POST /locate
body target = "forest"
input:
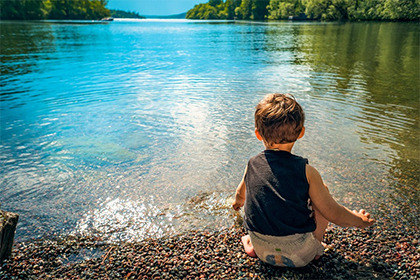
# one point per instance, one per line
(396, 10)
(53, 9)
(392, 10)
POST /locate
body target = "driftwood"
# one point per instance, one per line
(8, 223)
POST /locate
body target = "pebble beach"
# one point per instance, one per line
(373, 253)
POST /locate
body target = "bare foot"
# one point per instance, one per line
(249, 249)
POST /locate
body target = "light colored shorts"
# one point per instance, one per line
(295, 250)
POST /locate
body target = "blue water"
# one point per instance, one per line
(135, 129)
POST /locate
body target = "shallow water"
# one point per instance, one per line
(135, 129)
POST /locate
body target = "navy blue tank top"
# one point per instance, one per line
(277, 194)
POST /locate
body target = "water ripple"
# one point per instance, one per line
(137, 129)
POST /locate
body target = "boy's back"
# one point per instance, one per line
(276, 184)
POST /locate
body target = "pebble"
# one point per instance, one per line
(351, 254)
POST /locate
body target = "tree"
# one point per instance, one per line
(24, 9)
(244, 10)
(203, 11)
(215, 3)
(401, 10)
(325, 9)
(53, 9)
(363, 10)
(259, 9)
(210, 13)
(313, 9)
(282, 9)
(124, 14)
(97, 9)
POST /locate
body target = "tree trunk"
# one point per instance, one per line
(8, 223)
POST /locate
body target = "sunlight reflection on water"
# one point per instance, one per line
(139, 129)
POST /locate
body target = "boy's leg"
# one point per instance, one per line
(249, 249)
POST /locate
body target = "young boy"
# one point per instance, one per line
(287, 205)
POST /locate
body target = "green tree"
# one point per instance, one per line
(364, 10)
(282, 9)
(215, 3)
(196, 12)
(24, 9)
(97, 9)
(230, 6)
(244, 9)
(124, 14)
(210, 13)
(401, 10)
(313, 9)
(326, 9)
(203, 11)
(259, 9)
(53, 9)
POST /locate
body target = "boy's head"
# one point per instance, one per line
(279, 119)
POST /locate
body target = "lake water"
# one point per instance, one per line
(136, 129)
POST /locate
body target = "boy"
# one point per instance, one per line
(287, 205)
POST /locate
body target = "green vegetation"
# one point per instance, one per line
(241, 9)
(53, 9)
(404, 10)
(124, 14)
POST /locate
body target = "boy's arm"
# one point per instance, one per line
(240, 194)
(329, 208)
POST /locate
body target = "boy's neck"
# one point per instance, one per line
(280, 147)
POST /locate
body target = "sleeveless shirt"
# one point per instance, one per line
(277, 194)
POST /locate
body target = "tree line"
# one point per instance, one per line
(123, 14)
(53, 9)
(403, 10)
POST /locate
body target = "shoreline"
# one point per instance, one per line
(376, 252)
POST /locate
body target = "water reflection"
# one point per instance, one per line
(120, 220)
(144, 128)
(374, 68)
(22, 44)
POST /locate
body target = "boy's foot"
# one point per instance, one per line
(249, 249)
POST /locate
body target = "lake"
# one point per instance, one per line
(136, 129)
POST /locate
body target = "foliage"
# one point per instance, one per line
(282, 9)
(259, 9)
(124, 14)
(325, 9)
(362, 9)
(313, 9)
(230, 9)
(53, 9)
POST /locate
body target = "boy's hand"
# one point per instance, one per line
(238, 204)
(365, 216)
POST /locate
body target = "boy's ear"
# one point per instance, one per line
(259, 137)
(302, 133)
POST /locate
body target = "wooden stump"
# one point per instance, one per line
(8, 223)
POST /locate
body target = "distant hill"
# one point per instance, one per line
(178, 16)
(124, 14)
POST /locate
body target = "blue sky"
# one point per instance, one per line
(154, 7)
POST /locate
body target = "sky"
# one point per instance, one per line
(154, 7)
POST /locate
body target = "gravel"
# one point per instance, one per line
(377, 252)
